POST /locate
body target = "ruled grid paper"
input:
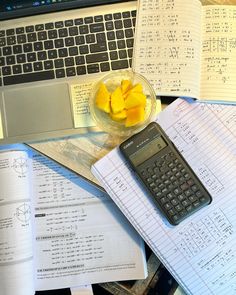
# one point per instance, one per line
(200, 251)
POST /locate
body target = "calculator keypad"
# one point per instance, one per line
(174, 187)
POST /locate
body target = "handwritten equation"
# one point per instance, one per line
(195, 237)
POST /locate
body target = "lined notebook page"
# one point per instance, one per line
(167, 47)
(218, 74)
(200, 251)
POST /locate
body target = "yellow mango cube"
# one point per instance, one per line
(135, 99)
(119, 116)
(125, 86)
(103, 98)
(137, 88)
(134, 116)
(117, 101)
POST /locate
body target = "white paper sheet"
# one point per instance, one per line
(16, 252)
(200, 251)
(81, 237)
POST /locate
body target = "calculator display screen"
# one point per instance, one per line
(148, 150)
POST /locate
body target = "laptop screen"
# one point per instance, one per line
(18, 8)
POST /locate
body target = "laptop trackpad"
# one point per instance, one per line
(38, 109)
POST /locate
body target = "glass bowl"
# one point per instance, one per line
(118, 128)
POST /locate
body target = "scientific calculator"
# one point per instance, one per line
(171, 182)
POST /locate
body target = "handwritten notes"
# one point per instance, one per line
(200, 251)
(187, 52)
(80, 94)
(218, 78)
(167, 50)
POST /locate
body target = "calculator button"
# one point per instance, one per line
(171, 212)
(196, 204)
(175, 218)
(188, 193)
(192, 198)
(158, 194)
(189, 208)
(164, 200)
(168, 206)
(198, 194)
(179, 207)
(185, 203)
(177, 191)
(170, 195)
(174, 202)
(184, 186)
(181, 197)
(194, 188)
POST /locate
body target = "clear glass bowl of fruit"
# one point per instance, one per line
(122, 103)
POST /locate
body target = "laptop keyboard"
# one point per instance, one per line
(67, 48)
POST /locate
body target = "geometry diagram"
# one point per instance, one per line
(20, 166)
(23, 213)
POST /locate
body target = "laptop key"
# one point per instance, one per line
(101, 37)
(21, 58)
(20, 30)
(38, 66)
(6, 71)
(25, 78)
(92, 58)
(31, 37)
(39, 27)
(105, 66)
(11, 40)
(79, 21)
(29, 29)
(79, 40)
(108, 16)
(73, 31)
(17, 69)
(60, 73)
(90, 38)
(73, 51)
(59, 24)
(62, 52)
(49, 26)
(88, 20)
(63, 32)
(98, 18)
(27, 68)
(21, 39)
(28, 47)
(48, 64)
(2, 42)
(81, 70)
(83, 29)
(70, 72)
(59, 63)
(48, 44)
(69, 61)
(2, 61)
(10, 60)
(80, 60)
(93, 69)
(7, 50)
(99, 47)
(97, 27)
(119, 64)
(69, 23)
(83, 49)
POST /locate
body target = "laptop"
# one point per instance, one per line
(48, 46)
